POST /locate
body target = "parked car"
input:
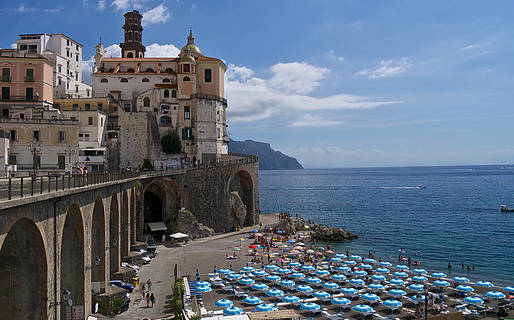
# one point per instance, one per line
(152, 250)
(131, 266)
(118, 283)
(146, 257)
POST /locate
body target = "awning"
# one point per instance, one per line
(179, 235)
(156, 226)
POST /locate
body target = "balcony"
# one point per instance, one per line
(20, 98)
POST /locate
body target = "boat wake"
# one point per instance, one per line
(399, 188)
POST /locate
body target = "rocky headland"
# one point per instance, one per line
(291, 225)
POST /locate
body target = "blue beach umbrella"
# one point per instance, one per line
(397, 292)
(355, 257)
(385, 264)
(370, 260)
(308, 268)
(279, 232)
(402, 267)
(343, 269)
(252, 300)
(232, 311)
(283, 271)
(313, 280)
(264, 307)
(400, 274)
(330, 285)
(391, 303)
(260, 273)
(350, 262)
(419, 279)
(224, 303)
(309, 306)
(234, 276)
(203, 289)
(356, 282)
(375, 287)
(271, 267)
(365, 266)
(338, 277)
(294, 264)
(202, 283)
(416, 287)
(362, 308)
(460, 279)
(260, 286)
(255, 231)
(360, 273)
(474, 300)
(382, 270)
(275, 293)
(416, 297)
(321, 294)
(303, 288)
(247, 281)
(247, 269)
(322, 272)
(464, 288)
(439, 275)
(441, 283)
(290, 299)
(272, 278)
(335, 260)
(286, 283)
(370, 297)
(509, 289)
(225, 271)
(291, 241)
(485, 284)
(341, 301)
(420, 271)
(297, 275)
(378, 277)
(495, 294)
(348, 290)
(397, 282)
(340, 256)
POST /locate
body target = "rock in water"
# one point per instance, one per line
(290, 226)
(187, 223)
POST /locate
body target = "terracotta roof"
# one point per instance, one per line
(139, 59)
(204, 58)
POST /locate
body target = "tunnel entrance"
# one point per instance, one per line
(154, 204)
(23, 273)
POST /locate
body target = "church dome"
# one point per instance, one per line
(190, 48)
(187, 58)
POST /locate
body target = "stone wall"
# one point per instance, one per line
(135, 144)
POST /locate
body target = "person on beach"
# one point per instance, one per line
(143, 290)
(149, 284)
(152, 299)
(147, 299)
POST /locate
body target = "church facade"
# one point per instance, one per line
(183, 95)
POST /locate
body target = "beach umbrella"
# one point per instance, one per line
(340, 256)
(247, 269)
(232, 311)
(247, 281)
(397, 282)
(397, 292)
(356, 282)
(341, 301)
(225, 271)
(264, 307)
(297, 275)
(203, 289)
(378, 277)
(260, 273)
(460, 279)
(391, 303)
(485, 284)
(300, 243)
(272, 278)
(349, 291)
(474, 300)
(420, 271)
(291, 241)
(202, 283)
(350, 262)
(370, 260)
(260, 286)
(416, 287)
(382, 270)
(309, 251)
(271, 267)
(439, 275)
(360, 273)
(509, 289)
(322, 272)
(335, 260)
(313, 280)
(283, 271)
(308, 268)
(385, 264)
(234, 276)
(310, 306)
(303, 288)
(258, 234)
(275, 293)
(224, 303)
(330, 285)
(279, 231)
(355, 257)
(464, 288)
(343, 269)
(400, 274)
(321, 294)
(252, 300)
(441, 283)
(363, 308)
(338, 277)
(495, 294)
(255, 231)
(370, 297)
(365, 266)
(286, 283)
(402, 267)
(294, 264)
(376, 287)
(290, 299)
(419, 279)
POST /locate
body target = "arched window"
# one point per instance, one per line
(146, 102)
(149, 70)
(166, 93)
(165, 80)
(165, 121)
(136, 36)
(131, 70)
(129, 55)
(145, 80)
(187, 79)
(173, 93)
(104, 80)
(124, 80)
(168, 70)
(130, 35)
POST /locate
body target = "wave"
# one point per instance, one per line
(398, 188)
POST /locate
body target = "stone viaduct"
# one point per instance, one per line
(68, 244)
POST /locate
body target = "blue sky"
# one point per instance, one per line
(333, 83)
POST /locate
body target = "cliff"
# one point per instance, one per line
(269, 159)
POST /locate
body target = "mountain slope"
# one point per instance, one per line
(269, 159)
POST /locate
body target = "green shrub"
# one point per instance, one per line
(147, 165)
(171, 143)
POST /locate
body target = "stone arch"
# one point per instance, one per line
(132, 215)
(124, 226)
(23, 273)
(241, 199)
(161, 197)
(98, 247)
(114, 235)
(72, 259)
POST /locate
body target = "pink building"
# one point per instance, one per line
(27, 84)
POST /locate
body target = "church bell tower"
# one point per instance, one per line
(133, 46)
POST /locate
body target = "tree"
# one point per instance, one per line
(171, 143)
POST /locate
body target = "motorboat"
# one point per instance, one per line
(422, 186)
(504, 208)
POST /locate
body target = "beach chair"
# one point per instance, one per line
(240, 294)
(298, 303)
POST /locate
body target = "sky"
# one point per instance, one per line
(343, 83)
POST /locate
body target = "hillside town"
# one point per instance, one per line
(138, 113)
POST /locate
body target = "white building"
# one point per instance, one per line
(66, 55)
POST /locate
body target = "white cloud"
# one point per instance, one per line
(474, 46)
(101, 5)
(161, 50)
(127, 4)
(333, 55)
(310, 120)
(387, 68)
(14, 45)
(23, 8)
(159, 14)
(85, 3)
(252, 98)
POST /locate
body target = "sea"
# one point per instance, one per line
(456, 219)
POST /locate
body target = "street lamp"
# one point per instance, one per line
(35, 148)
